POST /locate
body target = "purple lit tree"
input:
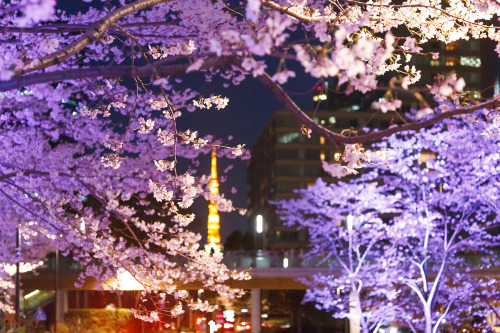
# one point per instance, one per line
(90, 102)
(399, 239)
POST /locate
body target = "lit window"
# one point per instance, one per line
(337, 156)
(470, 61)
(287, 138)
(434, 62)
(451, 61)
(322, 156)
(321, 140)
(475, 94)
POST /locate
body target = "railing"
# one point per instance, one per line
(266, 259)
(252, 259)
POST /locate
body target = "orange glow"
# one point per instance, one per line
(213, 225)
(243, 326)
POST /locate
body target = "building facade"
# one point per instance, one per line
(283, 159)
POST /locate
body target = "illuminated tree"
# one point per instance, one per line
(90, 102)
(400, 238)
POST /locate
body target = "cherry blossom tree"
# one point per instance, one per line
(399, 239)
(90, 102)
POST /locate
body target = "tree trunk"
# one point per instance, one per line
(428, 318)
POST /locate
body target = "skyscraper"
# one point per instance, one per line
(283, 159)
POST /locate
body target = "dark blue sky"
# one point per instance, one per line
(250, 108)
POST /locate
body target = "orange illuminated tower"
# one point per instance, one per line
(213, 236)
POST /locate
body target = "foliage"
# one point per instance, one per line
(98, 320)
(91, 97)
(400, 238)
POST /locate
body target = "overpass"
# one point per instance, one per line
(270, 270)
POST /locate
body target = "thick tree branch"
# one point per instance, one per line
(160, 68)
(66, 27)
(304, 119)
(292, 13)
(95, 33)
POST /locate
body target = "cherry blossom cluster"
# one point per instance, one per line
(403, 240)
(207, 103)
(92, 150)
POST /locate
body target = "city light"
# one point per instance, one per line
(229, 315)
(228, 325)
(243, 326)
(350, 222)
(259, 225)
(127, 282)
(213, 326)
(33, 293)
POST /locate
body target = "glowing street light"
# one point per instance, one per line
(350, 222)
(127, 282)
(259, 225)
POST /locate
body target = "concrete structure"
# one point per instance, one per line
(283, 159)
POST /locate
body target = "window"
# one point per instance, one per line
(286, 154)
(475, 93)
(470, 62)
(475, 77)
(288, 137)
(451, 61)
(434, 62)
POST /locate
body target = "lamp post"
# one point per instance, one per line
(17, 317)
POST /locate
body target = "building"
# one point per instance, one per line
(283, 159)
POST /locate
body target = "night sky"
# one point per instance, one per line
(250, 108)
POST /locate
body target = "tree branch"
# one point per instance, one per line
(159, 67)
(93, 34)
(290, 12)
(304, 119)
(67, 27)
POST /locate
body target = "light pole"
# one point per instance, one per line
(17, 317)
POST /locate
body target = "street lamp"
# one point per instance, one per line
(259, 225)
(350, 222)
(259, 228)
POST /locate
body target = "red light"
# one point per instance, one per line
(243, 326)
(318, 88)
